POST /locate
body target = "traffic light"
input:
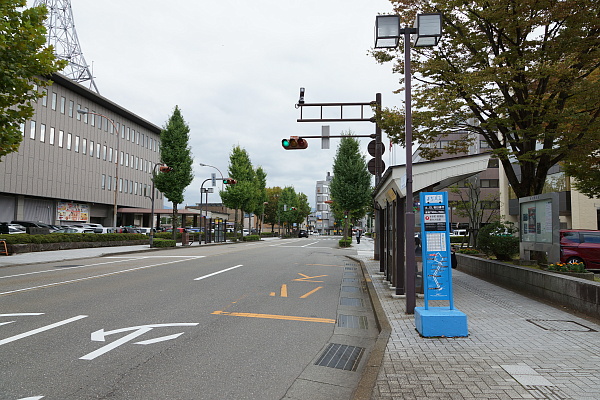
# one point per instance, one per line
(293, 208)
(164, 168)
(294, 143)
(229, 181)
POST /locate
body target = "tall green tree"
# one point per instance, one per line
(288, 201)
(261, 195)
(23, 61)
(351, 184)
(242, 195)
(176, 153)
(271, 209)
(523, 74)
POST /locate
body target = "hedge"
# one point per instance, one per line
(25, 238)
(163, 243)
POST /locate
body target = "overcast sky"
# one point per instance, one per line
(235, 67)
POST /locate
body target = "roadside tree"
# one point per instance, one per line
(523, 75)
(242, 195)
(23, 61)
(176, 153)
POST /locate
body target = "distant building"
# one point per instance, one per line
(323, 216)
(65, 169)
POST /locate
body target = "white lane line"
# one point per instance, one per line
(63, 269)
(217, 273)
(42, 329)
(92, 277)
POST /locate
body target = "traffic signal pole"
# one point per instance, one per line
(376, 147)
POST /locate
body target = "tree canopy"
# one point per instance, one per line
(175, 152)
(524, 75)
(351, 184)
(23, 61)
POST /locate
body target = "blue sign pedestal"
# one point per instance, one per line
(441, 322)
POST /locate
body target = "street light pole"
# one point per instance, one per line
(80, 111)
(428, 32)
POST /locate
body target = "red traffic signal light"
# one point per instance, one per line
(229, 181)
(294, 143)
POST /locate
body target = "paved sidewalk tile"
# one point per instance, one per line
(517, 348)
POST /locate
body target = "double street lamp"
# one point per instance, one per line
(427, 31)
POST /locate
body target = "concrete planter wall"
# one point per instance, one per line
(578, 294)
(34, 247)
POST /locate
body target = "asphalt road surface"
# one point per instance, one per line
(285, 319)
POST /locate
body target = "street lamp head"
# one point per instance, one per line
(80, 111)
(429, 30)
(387, 31)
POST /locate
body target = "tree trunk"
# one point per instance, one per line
(174, 221)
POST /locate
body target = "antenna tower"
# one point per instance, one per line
(62, 35)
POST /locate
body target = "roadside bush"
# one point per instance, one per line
(345, 243)
(25, 238)
(163, 243)
(251, 238)
(497, 239)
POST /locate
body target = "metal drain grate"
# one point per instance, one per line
(350, 268)
(341, 356)
(350, 274)
(349, 301)
(561, 325)
(351, 289)
(352, 321)
(350, 280)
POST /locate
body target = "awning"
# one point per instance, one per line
(431, 175)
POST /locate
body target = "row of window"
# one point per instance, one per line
(81, 145)
(126, 186)
(88, 117)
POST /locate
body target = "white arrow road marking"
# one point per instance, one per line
(33, 398)
(42, 329)
(100, 336)
(217, 273)
(160, 339)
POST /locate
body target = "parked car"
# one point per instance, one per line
(580, 246)
(302, 233)
(74, 230)
(34, 224)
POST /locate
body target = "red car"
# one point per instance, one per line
(579, 245)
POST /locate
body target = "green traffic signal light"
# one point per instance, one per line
(285, 143)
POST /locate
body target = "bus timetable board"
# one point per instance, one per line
(435, 232)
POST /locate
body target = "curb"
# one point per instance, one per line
(369, 376)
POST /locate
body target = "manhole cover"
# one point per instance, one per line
(341, 356)
(560, 325)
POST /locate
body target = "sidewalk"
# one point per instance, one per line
(517, 348)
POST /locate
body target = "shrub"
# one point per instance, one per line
(497, 239)
(567, 267)
(24, 238)
(345, 243)
(468, 250)
(163, 243)
(251, 238)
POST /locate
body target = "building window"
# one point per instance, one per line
(137, 160)
(121, 185)
(110, 151)
(84, 146)
(63, 104)
(91, 148)
(122, 156)
(54, 97)
(103, 182)
(97, 150)
(69, 137)
(45, 98)
(79, 114)
(77, 139)
(22, 127)
(109, 182)
(122, 131)
(71, 108)
(42, 132)
(126, 186)
(493, 163)
(61, 138)
(32, 130)
(131, 161)
(104, 153)
(127, 160)
(483, 144)
(51, 137)
(128, 133)
(489, 183)
(489, 204)
(105, 124)
(93, 119)
(85, 116)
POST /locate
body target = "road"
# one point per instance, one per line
(244, 321)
